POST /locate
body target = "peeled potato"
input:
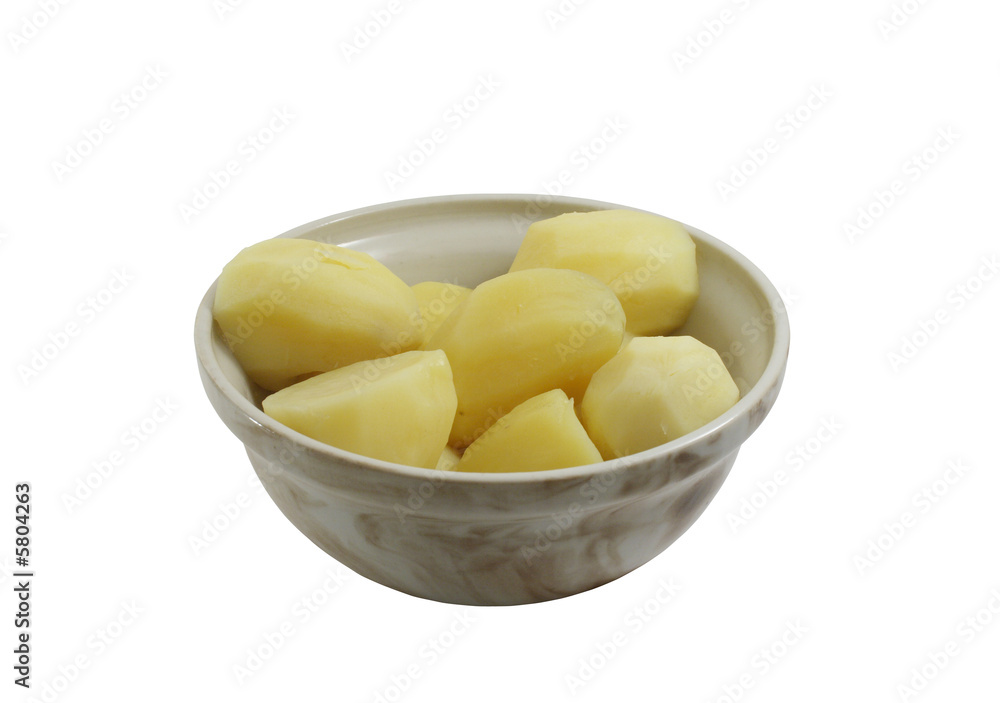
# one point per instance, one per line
(646, 259)
(292, 308)
(398, 408)
(655, 390)
(541, 433)
(436, 301)
(448, 460)
(522, 334)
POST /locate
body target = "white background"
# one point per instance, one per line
(214, 79)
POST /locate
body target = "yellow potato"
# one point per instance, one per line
(647, 260)
(541, 433)
(655, 390)
(448, 460)
(398, 408)
(524, 333)
(292, 308)
(436, 301)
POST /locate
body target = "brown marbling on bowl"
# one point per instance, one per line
(501, 539)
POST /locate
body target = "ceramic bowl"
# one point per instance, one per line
(492, 539)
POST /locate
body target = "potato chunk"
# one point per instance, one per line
(448, 460)
(541, 433)
(399, 408)
(647, 260)
(524, 333)
(655, 390)
(436, 301)
(292, 308)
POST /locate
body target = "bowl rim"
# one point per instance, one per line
(770, 377)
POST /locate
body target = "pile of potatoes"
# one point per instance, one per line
(562, 361)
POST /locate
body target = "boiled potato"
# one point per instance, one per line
(541, 433)
(448, 460)
(398, 408)
(524, 333)
(646, 259)
(436, 301)
(655, 390)
(292, 308)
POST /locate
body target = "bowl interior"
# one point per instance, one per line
(469, 239)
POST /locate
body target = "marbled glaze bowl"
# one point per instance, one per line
(498, 539)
